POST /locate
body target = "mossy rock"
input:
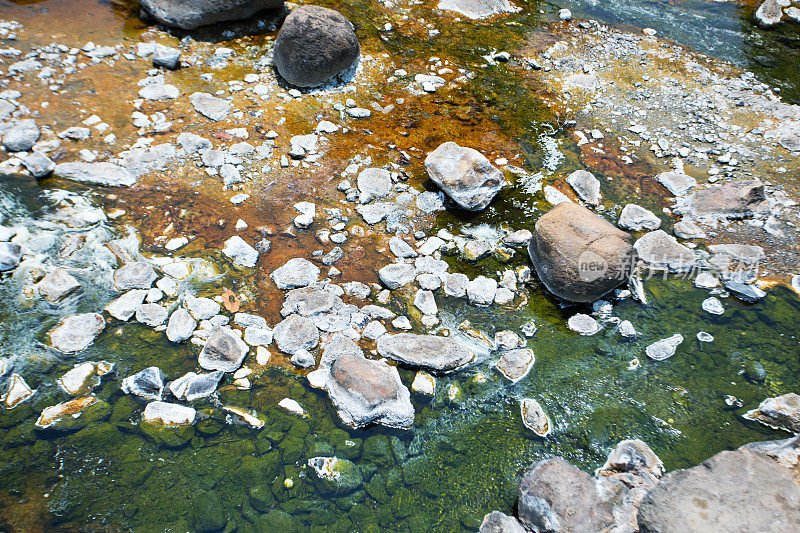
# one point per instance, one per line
(123, 412)
(168, 436)
(319, 448)
(292, 448)
(334, 476)
(96, 411)
(21, 435)
(261, 498)
(403, 503)
(413, 470)
(209, 515)
(275, 521)
(377, 450)
(249, 472)
(376, 487)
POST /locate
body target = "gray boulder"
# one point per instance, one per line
(781, 412)
(191, 14)
(38, 164)
(181, 325)
(57, 285)
(556, 496)
(296, 333)
(124, 307)
(21, 136)
(96, 173)
(465, 175)
(224, 350)
(192, 386)
(167, 57)
(396, 275)
(210, 106)
(135, 275)
(314, 44)
(579, 256)
(662, 251)
(637, 218)
(586, 186)
(677, 183)
(147, 384)
(732, 492)
(735, 200)
(10, 256)
(295, 273)
(497, 522)
(440, 354)
(75, 333)
(152, 315)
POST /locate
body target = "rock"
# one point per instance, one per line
(136, 275)
(782, 412)
(255, 336)
(583, 324)
(456, 285)
(515, 364)
(124, 307)
(57, 285)
(746, 292)
(210, 107)
(159, 91)
(21, 136)
(297, 272)
(241, 253)
(440, 354)
(201, 308)
(38, 164)
(73, 414)
(713, 305)
(18, 392)
(397, 275)
(193, 386)
(769, 14)
(579, 256)
(224, 350)
(152, 315)
(662, 251)
(166, 57)
(664, 348)
(292, 406)
(565, 14)
(190, 14)
(84, 377)
(425, 302)
(401, 248)
(193, 144)
(303, 359)
(10, 256)
(534, 417)
(477, 9)
(465, 175)
(686, 229)
(734, 200)
(677, 183)
(181, 325)
(209, 514)
(482, 290)
(147, 384)
(296, 333)
(314, 45)
(168, 414)
(556, 496)
(586, 186)
(497, 522)
(519, 238)
(96, 173)
(374, 183)
(365, 391)
(75, 333)
(730, 492)
(636, 218)
(334, 476)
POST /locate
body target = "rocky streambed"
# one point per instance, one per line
(393, 267)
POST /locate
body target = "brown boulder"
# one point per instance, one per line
(578, 255)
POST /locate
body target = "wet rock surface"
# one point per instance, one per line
(75, 333)
(190, 14)
(465, 175)
(439, 354)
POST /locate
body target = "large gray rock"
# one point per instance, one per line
(440, 354)
(224, 350)
(769, 14)
(190, 14)
(732, 492)
(96, 173)
(734, 200)
(57, 285)
(465, 175)
(124, 307)
(364, 391)
(181, 325)
(662, 251)
(556, 496)
(147, 384)
(586, 186)
(135, 275)
(192, 386)
(241, 253)
(497, 522)
(297, 272)
(38, 164)
(210, 106)
(296, 333)
(75, 333)
(396, 275)
(315, 43)
(579, 256)
(781, 412)
(10, 256)
(21, 136)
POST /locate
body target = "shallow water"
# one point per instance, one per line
(463, 457)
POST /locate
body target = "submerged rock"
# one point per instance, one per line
(73, 414)
(75, 333)
(732, 491)
(314, 44)
(147, 384)
(191, 14)
(579, 256)
(84, 377)
(224, 350)
(465, 175)
(440, 354)
(334, 476)
(781, 412)
(534, 417)
(96, 173)
(10, 256)
(583, 324)
(665, 348)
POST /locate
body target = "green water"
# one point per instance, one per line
(461, 459)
